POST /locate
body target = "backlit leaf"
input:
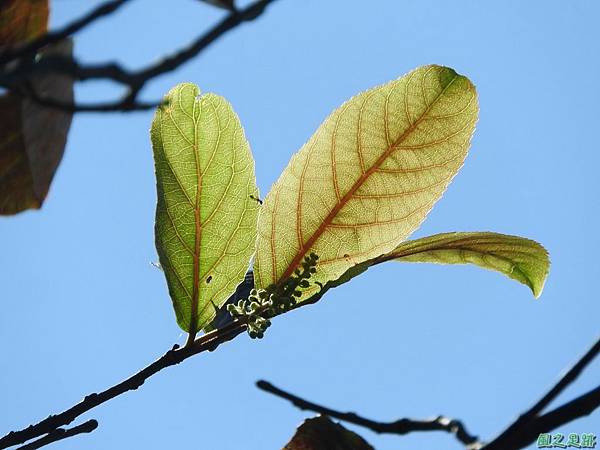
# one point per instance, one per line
(518, 258)
(321, 433)
(206, 212)
(521, 259)
(368, 176)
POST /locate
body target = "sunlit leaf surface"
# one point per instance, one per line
(207, 209)
(521, 259)
(518, 258)
(368, 176)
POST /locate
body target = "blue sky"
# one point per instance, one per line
(84, 308)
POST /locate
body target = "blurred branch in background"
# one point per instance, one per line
(38, 72)
(522, 433)
(29, 49)
(19, 64)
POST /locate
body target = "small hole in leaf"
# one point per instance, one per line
(346, 255)
(209, 279)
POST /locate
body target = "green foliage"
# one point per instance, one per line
(518, 258)
(352, 194)
(206, 212)
(368, 176)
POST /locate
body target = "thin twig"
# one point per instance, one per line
(133, 80)
(401, 426)
(60, 434)
(565, 381)
(510, 438)
(581, 406)
(207, 342)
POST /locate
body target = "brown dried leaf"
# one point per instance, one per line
(321, 433)
(22, 20)
(32, 139)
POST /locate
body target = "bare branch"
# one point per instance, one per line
(522, 433)
(134, 81)
(565, 381)
(60, 434)
(511, 438)
(579, 407)
(207, 342)
(401, 426)
(583, 405)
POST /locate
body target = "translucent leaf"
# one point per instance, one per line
(521, 259)
(518, 258)
(368, 176)
(206, 212)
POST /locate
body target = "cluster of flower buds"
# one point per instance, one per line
(252, 310)
(263, 304)
(291, 289)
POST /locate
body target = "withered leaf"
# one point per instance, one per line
(321, 433)
(33, 137)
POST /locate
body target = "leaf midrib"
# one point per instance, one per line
(197, 225)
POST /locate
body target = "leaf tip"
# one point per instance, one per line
(545, 263)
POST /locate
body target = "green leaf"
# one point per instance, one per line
(518, 258)
(368, 176)
(207, 209)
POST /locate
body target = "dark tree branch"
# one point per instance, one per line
(401, 426)
(565, 381)
(579, 407)
(60, 434)
(52, 37)
(134, 81)
(583, 405)
(529, 421)
(522, 433)
(207, 342)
